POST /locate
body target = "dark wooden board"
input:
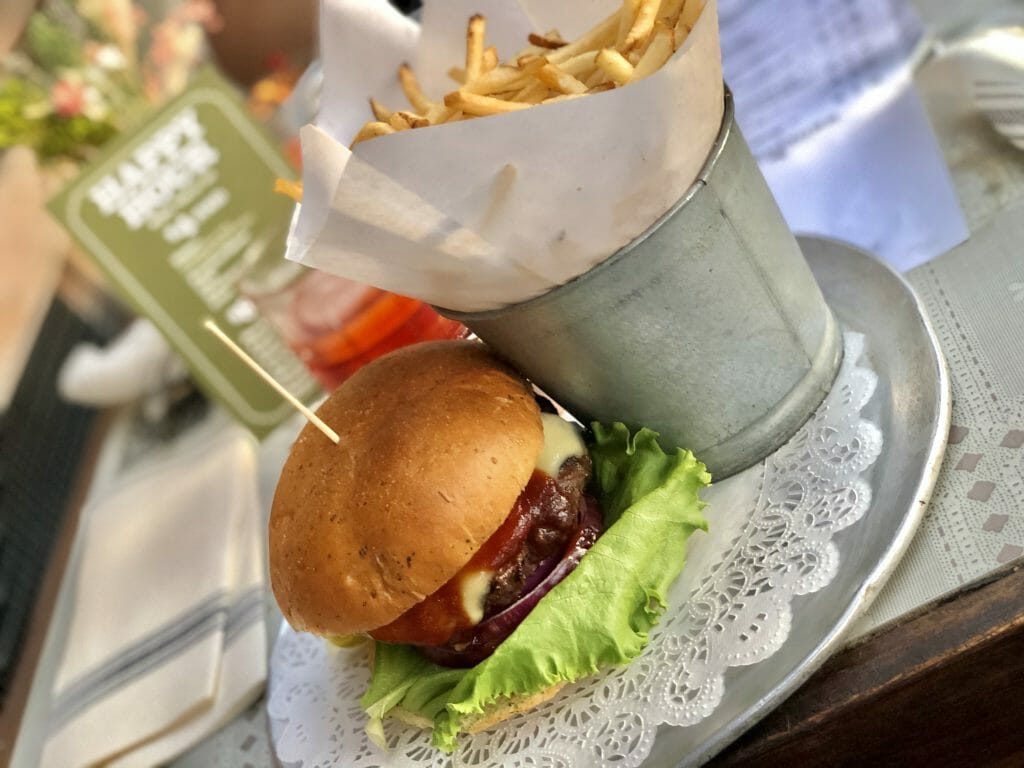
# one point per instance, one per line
(944, 687)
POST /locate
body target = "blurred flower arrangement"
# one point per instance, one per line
(87, 70)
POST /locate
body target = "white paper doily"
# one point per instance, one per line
(770, 541)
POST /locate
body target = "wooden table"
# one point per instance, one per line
(942, 688)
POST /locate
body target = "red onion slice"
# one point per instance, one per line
(472, 646)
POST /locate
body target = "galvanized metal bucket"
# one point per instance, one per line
(708, 327)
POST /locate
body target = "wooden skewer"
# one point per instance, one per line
(315, 420)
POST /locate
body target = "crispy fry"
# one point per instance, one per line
(533, 66)
(615, 65)
(534, 93)
(658, 52)
(380, 112)
(597, 37)
(563, 97)
(475, 104)
(490, 58)
(398, 121)
(670, 10)
(634, 41)
(624, 23)
(679, 34)
(643, 24)
(401, 121)
(371, 131)
(550, 40)
(691, 12)
(411, 88)
(292, 189)
(475, 47)
(580, 66)
(555, 78)
(501, 79)
(438, 113)
(597, 78)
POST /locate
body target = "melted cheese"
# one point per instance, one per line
(474, 589)
(561, 440)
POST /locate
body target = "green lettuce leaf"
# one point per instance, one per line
(402, 677)
(598, 616)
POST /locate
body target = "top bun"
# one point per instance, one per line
(437, 442)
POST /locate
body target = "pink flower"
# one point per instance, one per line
(202, 12)
(68, 97)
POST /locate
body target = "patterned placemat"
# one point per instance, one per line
(975, 524)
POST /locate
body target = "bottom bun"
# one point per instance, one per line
(501, 712)
(495, 715)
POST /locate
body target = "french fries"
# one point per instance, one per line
(411, 88)
(613, 64)
(643, 24)
(550, 40)
(490, 58)
(475, 47)
(380, 112)
(371, 131)
(475, 104)
(630, 44)
(558, 80)
(660, 47)
(292, 189)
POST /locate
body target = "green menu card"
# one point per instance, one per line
(175, 214)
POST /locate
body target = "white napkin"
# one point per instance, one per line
(482, 213)
(992, 63)
(166, 640)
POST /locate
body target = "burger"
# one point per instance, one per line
(450, 498)
(473, 536)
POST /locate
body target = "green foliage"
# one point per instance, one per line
(70, 137)
(49, 134)
(70, 86)
(52, 44)
(15, 126)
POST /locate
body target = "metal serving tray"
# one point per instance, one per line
(912, 406)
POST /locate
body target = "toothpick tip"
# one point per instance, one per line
(210, 325)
